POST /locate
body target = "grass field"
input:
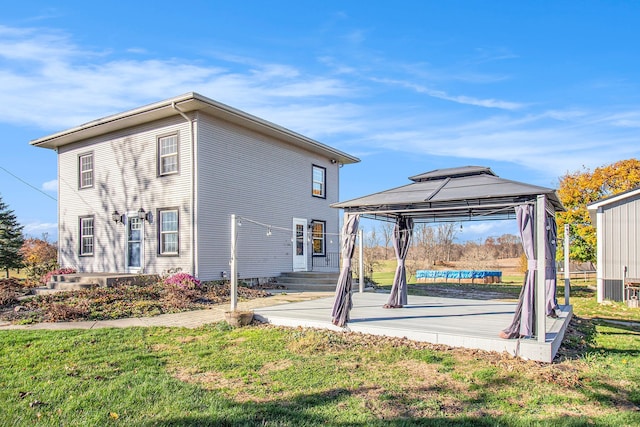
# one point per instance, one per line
(264, 375)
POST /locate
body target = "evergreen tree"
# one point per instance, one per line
(11, 239)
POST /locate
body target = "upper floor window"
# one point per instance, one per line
(86, 235)
(85, 170)
(168, 231)
(319, 182)
(168, 155)
(318, 237)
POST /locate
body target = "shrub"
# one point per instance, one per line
(10, 289)
(183, 280)
(39, 257)
(46, 277)
(181, 290)
(60, 311)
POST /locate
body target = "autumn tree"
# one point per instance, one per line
(576, 190)
(10, 239)
(371, 253)
(445, 235)
(386, 231)
(40, 256)
(423, 245)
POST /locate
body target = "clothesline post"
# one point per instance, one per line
(234, 264)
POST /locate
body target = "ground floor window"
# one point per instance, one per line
(86, 236)
(168, 231)
(318, 237)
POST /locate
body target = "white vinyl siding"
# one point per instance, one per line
(127, 180)
(85, 170)
(169, 232)
(260, 178)
(168, 154)
(240, 172)
(86, 236)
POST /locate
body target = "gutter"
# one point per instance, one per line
(194, 224)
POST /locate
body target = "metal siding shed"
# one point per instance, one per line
(618, 240)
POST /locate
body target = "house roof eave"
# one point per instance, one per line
(593, 206)
(186, 103)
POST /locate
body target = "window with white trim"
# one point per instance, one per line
(319, 181)
(318, 237)
(168, 231)
(86, 235)
(85, 170)
(168, 155)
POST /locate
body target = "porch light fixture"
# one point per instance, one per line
(144, 216)
(116, 217)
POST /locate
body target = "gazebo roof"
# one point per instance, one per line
(453, 194)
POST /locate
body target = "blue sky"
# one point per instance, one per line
(530, 89)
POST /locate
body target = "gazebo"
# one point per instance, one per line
(468, 193)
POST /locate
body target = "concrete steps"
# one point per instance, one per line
(77, 281)
(308, 280)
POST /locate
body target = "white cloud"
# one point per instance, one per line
(50, 82)
(50, 186)
(472, 230)
(460, 99)
(37, 229)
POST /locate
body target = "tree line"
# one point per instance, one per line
(37, 256)
(431, 244)
(435, 246)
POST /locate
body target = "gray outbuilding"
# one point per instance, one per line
(617, 221)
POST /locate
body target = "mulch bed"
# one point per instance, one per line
(117, 302)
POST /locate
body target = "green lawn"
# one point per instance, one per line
(263, 375)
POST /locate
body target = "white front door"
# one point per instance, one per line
(299, 244)
(135, 242)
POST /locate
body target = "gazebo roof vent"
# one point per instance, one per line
(458, 172)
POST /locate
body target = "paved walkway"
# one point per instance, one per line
(187, 319)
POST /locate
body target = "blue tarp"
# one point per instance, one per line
(456, 274)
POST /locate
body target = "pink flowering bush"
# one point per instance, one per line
(183, 280)
(181, 290)
(45, 279)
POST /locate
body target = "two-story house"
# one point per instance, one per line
(154, 188)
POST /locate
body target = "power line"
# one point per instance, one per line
(26, 183)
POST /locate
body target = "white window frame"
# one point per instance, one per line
(320, 192)
(88, 172)
(321, 238)
(87, 249)
(163, 233)
(163, 156)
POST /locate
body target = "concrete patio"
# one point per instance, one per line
(453, 322)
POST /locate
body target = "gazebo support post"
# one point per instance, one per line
(540, 294)
(567, 273)
(361, 260)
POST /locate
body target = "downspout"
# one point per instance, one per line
(194, 226)
(58, 209)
